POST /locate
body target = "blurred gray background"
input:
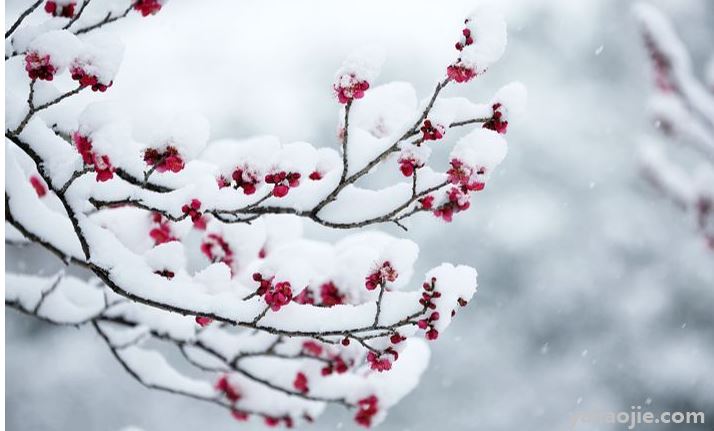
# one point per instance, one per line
(595, 292)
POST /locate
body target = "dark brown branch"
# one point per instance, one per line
(47, 293)
(124, 175)
(379, 304)
(99, 204)
(468, 122)
(345, 141)
(73, 178)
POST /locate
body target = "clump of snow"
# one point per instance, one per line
(447, 110)
(100, 56)
(363, 64)
(482, 148)
(61, 45)
(512, 98)
(360, 254)
(384, 109)
(23, 36)
(488, 31)
(97, 115)
(215, 277)
(167, 256)
(456, 284)
(405, 374)
(413, 155)
(153, 369)
(187, 132)
(109, 132)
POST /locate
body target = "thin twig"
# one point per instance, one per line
(345, 141)
(77, 15)
(107, 19)
(22, 17)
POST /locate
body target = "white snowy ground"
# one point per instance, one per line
(595, 293)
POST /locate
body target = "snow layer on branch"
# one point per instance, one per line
(153, 370)
(363, 148)
(228, 153)
(230, 345)
(513, 98)
(130, 225)
(418, 155)
(109, 131)
(364, 64)
(121, 336)
(29, 211)
(167, 256)
(16, 89)
(384, 110)
(429, 178)
(488, 30)
(297, 317)
(454, 283)
(661, 33)
(301, 262)
(259, 156)
(173, 325)
(61, 45)
(359, 254)
(100, 114)
(14, 236)
(23, 36)
(674, 116)
(667, 176)
(449, 110)
(188, 132)
(258, 397)
(404, 376)
(281, 229)
(482, 148)
(60, 159)
(658, 26)
(131, 272)
(375, 203)
(101, 56)
(67, 300)
(310, 263)
(27, 290)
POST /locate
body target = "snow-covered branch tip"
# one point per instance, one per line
(683, 111)
(199, 244)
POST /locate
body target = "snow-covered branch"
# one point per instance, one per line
(252, 374)
(199, 244)
(683, 110)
